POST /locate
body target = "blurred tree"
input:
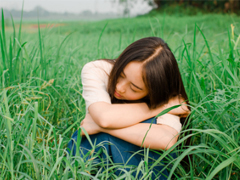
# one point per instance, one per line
(128, 4)
(208, 5)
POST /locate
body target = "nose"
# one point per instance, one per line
(121, 86)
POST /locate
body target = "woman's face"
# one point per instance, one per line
(130, 85)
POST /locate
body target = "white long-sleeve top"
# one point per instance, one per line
(95, 77)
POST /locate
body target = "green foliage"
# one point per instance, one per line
(205, 6)
(41, 103)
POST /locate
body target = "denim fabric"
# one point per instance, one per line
(119, 150)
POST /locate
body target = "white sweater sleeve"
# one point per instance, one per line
(170, 120)
(95, 76)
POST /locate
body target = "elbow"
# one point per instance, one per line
(104, 125)
(102, 121)
(170, 142)
(100, 114)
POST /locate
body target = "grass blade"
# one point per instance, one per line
(20, 25)
(221, 166)
(208, 47)
(100, 36)
(3, 43)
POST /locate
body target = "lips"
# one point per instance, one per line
(117, 94)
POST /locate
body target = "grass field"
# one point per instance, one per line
(41, 104)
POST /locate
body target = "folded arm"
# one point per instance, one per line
(120, 115)
(123, 115)
(158, 136)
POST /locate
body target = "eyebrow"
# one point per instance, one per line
(133, 84)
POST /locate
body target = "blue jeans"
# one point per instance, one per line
(120, 151)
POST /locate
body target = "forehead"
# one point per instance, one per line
(133, 72)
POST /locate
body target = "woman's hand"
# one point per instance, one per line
(181, 111)
(89, 125)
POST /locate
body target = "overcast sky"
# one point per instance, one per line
(74, 6)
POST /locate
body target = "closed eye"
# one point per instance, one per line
(133, 89)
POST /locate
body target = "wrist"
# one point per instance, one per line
(159, 109)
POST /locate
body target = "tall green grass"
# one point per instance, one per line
(41, 103)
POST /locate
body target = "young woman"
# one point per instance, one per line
(122, 97)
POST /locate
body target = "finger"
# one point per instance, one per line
(82, 133)
(185, 108)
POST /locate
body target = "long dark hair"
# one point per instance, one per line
(160, 71)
